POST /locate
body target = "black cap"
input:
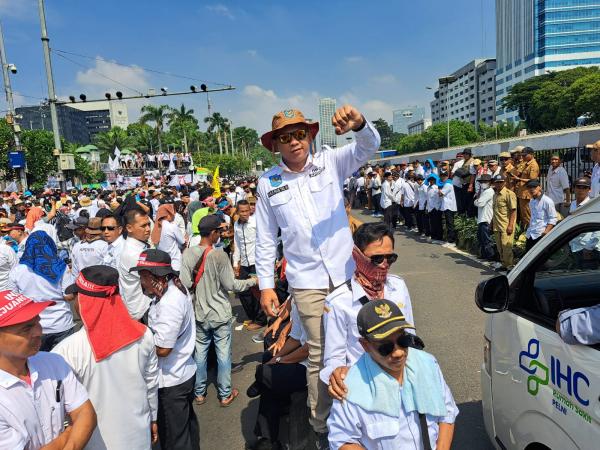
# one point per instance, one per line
(532, 183)
(485, 178)
(583, 181)
(467, 150)
(420, 177)
(527, 151)
(79, 222)
(498, 179)
(378, 319)
(154, 261)
(209, 223)
(94, 275)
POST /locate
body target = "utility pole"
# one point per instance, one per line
(51, 94)
(11, 106)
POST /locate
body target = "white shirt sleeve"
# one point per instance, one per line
(167, 324)
(350, 157)
(344, 425)
(266, 240)
(74, 392)
(151, 374)
(334, 355)
(236, 245)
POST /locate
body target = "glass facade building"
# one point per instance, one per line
(405, 116)
(534, 36)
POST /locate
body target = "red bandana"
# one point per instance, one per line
(371, 277)
(107, 322)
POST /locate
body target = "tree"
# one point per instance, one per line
(143, 137)
(157, 114)
(181, 114)
(385, 132)
(245, 139)
(219, 123)
(106, 141)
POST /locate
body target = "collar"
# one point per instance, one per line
(118, 241)
(307, 165)
(8, 380)
(358, 292)
(136, 243)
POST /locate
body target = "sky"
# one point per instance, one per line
(378, 55)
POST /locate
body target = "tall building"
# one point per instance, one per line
(327, 108)
(405, 116)
(418, 127)
(77, 122)
(536, 36)
(467, 95)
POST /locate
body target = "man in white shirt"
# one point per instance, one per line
(408, 201)
(303, 197)
(8, 260)
(448, 207)
(434, 203)
(137, 224)
(92, 250)
(111, 346)
(17, 232)
(244, 239)
(387, 199)
(398, 189)
(543, 214)
(170, 237)
(171, 318)
(421, 202)
(582, 193)
(595, 156)
(39, 389)
(113, 236)
(485, 210)
(375, 185)
(557, 185)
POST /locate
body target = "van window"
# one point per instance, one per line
(567, 277)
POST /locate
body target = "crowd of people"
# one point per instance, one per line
(160, 160)
(499, 193)
(111, 300)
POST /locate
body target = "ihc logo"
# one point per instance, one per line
(535, 378)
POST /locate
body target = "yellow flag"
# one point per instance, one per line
(215, 183)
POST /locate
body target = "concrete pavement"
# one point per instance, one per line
(441, 283)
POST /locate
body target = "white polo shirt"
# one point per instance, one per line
(173, 323)
(308, 207)
(342, 347)
(56, 318)
(171, 240)
(86, 254)
(30, 416)
(129, 282)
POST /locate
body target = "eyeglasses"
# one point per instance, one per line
(108, 228)
(378, 259)
(388, 347)
(286, 138)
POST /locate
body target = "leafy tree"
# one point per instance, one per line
(143, 137)
(181, 114)
(245, 139)
(108, 140)
(385, 132)
(39, 145)
(157, 114)
(216, 122)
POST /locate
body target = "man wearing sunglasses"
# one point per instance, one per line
(373, 254)
(397, 397)
(303, 197)
(113, 235)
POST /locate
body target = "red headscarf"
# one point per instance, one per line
(164, 211)
(371, 277)
(34, 214)
(106, 320)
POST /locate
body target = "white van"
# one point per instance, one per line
(538, 392)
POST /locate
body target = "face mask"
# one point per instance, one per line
(370, 276)
(485, 185)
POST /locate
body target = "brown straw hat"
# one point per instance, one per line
(283, 119)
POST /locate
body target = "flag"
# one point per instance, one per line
(172, 166)
(117, 152)
(215, 183)
(110, 163)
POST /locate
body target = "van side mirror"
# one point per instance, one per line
(491, 295)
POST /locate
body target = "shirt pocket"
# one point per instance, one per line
(281, 204)
(383, 432)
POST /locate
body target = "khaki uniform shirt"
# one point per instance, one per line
(531, 171)
(505, 201)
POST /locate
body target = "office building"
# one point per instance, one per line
(326, 131)
(536, 36)
(404, 116)
(419, 126)
(77, 122)
(467, 94)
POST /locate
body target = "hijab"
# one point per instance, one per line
(41, 256)
(165, 211)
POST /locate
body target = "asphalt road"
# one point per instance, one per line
(441, 283)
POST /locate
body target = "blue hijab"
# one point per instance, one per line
(41, 256)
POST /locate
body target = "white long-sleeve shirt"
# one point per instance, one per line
(244, 239)
(408, 195)
(113, 252)
(129, 282)
(171, 241)
(485, 206)
(543, 213)
(448, 198)
(422, 196)
(124, 409)
(433, 198)
(398, 189)
(387, 194)
(308, 207)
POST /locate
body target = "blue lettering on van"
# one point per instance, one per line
(560, 375)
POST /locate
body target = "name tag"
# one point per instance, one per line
(278, 190)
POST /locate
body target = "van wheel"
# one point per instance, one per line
(537, 446)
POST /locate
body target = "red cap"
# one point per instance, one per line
(16, 308)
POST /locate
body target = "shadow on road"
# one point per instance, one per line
(469, 432)
(463, 260)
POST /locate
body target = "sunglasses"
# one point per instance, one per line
(286, 138)
(108, 228)
(378, 259)
(386, 349)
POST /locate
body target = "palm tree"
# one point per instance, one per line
(245, 138)
(108, 140)
(181, 114)
(158, 115)
(220, 123)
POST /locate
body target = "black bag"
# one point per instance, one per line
(462, 172)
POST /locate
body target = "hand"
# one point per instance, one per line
(509, 230)
(236, 271)
(154, 432)
(346, 118)
(567, 204)
(337, 389)
(470, 189)
(269, 302)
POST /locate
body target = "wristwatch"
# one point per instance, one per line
(277, 360)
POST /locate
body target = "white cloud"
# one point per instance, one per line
(252, 53)
(353, 59)
(386, 78)
(99, 77)
(221, 10)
